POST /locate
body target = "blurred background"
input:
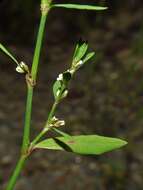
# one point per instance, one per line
(106, 96)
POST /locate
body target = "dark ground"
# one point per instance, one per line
(106, 96)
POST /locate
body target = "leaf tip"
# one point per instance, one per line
(122, 143)
(105, 8)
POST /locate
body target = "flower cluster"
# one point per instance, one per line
(81, 56)
(55, 122)
(22, 68)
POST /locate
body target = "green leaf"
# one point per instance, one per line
(81, 7)
(8, 53)
(57, 86)
(80, 52)
(83, 144)
(88, 56)
(60, 89)
(75, 51)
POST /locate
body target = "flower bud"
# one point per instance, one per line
(22, 67)
(60, 77)
(55, 122)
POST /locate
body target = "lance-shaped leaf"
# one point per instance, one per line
(81, 7)
(83, 144)
(80, 51)
(8, 53)
(88, 56)
(75, 51)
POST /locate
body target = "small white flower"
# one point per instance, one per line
(80, 63)
(55, 122)
(65, 94)
(60, 123)
(60, 77)
(22, 64)
(54, 118)
(22, 67)
(71, 71)
(58, 92)
(19, 69)
(76, 66)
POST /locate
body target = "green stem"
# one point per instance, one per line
(52, 112)
(45, 129)
(26, 136)
(38, 47)
(16, 173)
(38, 137)
(45, 7)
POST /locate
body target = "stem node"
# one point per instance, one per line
(30, 81)
(44, 9)
(45, 6)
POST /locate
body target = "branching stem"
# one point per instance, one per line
(47, 125)
(45, 7)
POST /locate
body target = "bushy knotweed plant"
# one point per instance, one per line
(82, 144)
